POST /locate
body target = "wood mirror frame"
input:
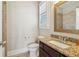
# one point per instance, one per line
(55, 19)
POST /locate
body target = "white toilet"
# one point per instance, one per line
(33, 49)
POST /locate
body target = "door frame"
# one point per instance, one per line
(4, 26)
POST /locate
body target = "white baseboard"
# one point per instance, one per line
(18, 51)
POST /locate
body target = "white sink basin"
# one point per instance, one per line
(59, 44)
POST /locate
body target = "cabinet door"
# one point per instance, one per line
(61, 55)
(42, 53)
(51, 52)
(46, 51)
(41, 45)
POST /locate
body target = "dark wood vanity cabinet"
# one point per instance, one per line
(46, 51)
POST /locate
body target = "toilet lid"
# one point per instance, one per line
(33, 45)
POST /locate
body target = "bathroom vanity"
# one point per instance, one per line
(47, 51)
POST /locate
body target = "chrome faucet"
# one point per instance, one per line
(63, 39)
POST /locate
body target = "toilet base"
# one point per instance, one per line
(33, 48)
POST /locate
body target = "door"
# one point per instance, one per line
(3, 29)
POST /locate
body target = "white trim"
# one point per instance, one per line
(18, 51)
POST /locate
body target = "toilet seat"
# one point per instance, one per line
(33, 45)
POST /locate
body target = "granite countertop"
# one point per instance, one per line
(72, 51)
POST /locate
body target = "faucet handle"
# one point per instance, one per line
(65, 38)
(61, 38)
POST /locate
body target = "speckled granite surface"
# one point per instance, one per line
(72, 51)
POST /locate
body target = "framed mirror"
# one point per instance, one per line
(66, 17)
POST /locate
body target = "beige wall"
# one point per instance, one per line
(22, 24)
(52, 26)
